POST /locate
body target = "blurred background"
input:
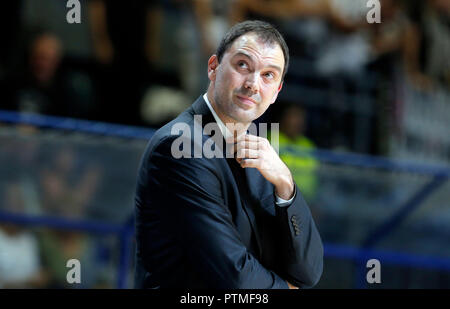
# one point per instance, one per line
(364, 125)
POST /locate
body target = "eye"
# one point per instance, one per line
(242, 64)
(269, 75)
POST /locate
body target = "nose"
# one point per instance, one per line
(251, 83)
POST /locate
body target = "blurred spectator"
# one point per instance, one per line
(44, 87)
(396, 41)
(87, 40)
(57, 247)
(20, 192)
(436, 36)
(213, 17)
(195, 27)
(303, 22)
(88, 50)
(291, 135)
(67, 187)
(309, 35)
(20, 265)
(347, 50)
(34, 90)
(177, 60)
(348, 15)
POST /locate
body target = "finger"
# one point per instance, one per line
(248, 163)
(248, 137)
(247, 154)
(263, 143)
(246, 145)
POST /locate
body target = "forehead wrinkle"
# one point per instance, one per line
(262, 59)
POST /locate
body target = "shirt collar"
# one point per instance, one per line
(223, 128)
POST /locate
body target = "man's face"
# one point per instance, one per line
(293, 122)
(247, 80)
(45, 57)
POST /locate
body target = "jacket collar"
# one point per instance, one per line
(200, 108)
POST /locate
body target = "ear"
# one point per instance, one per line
(276, 93)
(213, 63)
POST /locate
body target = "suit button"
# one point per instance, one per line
(296, 228)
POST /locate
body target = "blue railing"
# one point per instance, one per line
(125, 232)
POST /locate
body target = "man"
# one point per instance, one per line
(226, 222)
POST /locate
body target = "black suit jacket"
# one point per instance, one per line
(208, 223)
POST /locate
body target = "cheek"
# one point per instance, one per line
(268, 92)
(233, 78)
(224, 79)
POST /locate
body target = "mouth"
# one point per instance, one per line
(246, 100)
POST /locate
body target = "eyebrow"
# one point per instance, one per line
(273, 66)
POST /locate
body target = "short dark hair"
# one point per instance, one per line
(265, 32)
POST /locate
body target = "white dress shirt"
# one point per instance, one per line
(227, 134)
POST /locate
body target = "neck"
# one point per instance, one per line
(232, 124)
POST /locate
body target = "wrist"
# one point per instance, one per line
(284, 188)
